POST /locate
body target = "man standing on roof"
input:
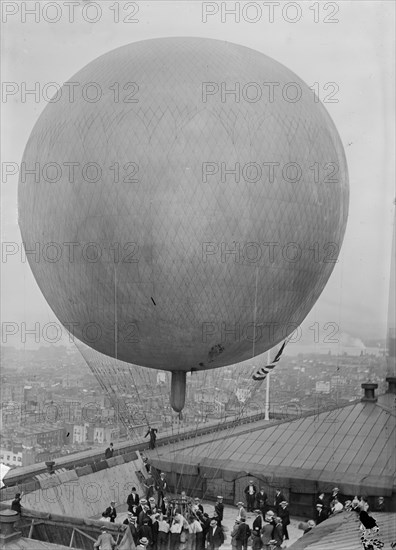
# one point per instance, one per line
(279, 497)
(250, 493)
(109, 451)
(215, 536)
(261, 500)
(162, 488)
(133, 501)
(16, 503)
(110, 512)
(152, 432)
(219, 509)
(105, 540)
(268, 528)
(242, 535)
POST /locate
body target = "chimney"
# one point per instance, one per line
(7, 520)
(369, 395)
(392, 384)
(50, 466)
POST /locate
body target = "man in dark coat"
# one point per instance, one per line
(320, 514)
(284, 514)
(268, 528)
(219, 509)
(279, 497)
(16, 503)
(162, 488)
(258, 520)
(242, 536)
(110, 512)
(152, 432)
(261, 500)
(133, 500)
(250, 492)
(109, 451)
(131, 522)
(145, 531)
(277, 533)
(215, 536)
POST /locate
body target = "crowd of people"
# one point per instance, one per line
(181, 523)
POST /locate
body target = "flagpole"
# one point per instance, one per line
(266, 410)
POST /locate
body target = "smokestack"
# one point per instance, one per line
(392, 384)
(369, 395)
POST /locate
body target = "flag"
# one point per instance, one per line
(262, 372)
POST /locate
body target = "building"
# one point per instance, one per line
(349, 446)
(11, 457)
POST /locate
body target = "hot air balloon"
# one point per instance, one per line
(188, 198)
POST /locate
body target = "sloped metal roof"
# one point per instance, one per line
(343, 531)
(352, 444)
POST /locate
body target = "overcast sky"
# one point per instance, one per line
(355, 52)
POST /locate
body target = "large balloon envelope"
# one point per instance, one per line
(188, 199)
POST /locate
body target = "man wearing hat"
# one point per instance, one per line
(215, 536)
(250, 493)
(16, 503)
(143, 544)
(277, 533)
(261, 500)
(242, 535)
(267, 528)
(284, 514)
(144, 531)
(131, 522)
(219, 509)
(110, 512)
(241, 511)
(162, 488)
(198, 506)
(279, 497)
(234, 534)
(144, 515)
(105, 540)
(320, 514)
(133, 500)
(152, 506)
(258, 520)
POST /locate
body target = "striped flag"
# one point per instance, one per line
(262, 372)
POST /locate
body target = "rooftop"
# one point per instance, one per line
(352, 445)
(342, 531)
